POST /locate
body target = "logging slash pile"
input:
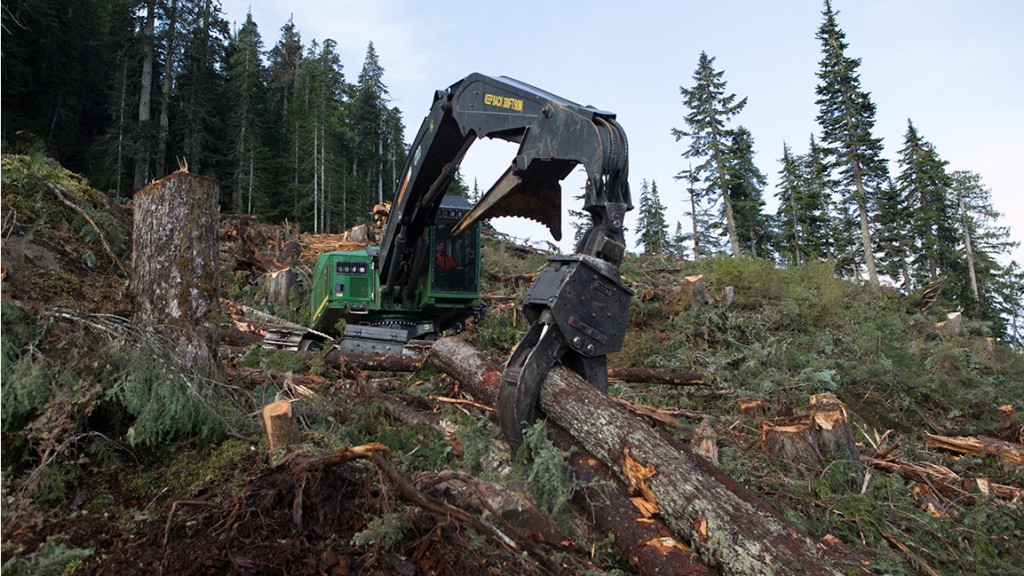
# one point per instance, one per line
(759, 420)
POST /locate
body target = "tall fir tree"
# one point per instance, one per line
(893, 245)
(285, 121)
(246, 90)
(847, 118)
(651, 225)
(989, 292)
(200, 107)
(710, 108)
(924, 186)
(746, 192)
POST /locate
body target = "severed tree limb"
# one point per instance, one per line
(730, 527)
(1009, 452)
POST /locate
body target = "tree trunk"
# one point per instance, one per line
(145, 97)
(728, 526)
(165, 91)
(175, 265)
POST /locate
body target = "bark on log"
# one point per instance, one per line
(727, 525)
(808, 441)
(277, 420)
(650, 546)
(175, 265)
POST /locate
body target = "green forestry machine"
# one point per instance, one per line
(424, 277)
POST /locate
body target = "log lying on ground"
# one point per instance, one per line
(947, 483)
(231, 335)
(730, 527)
(1009, 452)
(650, 546)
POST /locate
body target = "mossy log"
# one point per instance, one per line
(175, 265)
(728, 526)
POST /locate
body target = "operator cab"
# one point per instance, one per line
(454, 265)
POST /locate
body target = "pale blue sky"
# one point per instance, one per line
(953, 67)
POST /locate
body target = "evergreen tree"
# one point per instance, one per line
(819, 234)
(893, 245)
(847, 118)
(802, 215)
(988, 293)
(322, 94)
(200, 107)
(746, 191)
(704, 228)
(651, 225)
(709, 110)
(368, 117)
(1012, 298)
(789, 216)
(247, 93)
(285, 121)
(924, 185)
(679, 241)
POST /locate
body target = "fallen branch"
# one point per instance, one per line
(1009, 452)
(103, 239)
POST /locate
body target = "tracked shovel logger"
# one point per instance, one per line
(403, 290)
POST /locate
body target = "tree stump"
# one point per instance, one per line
(277, 419)
(279, 286)
(175, 265)
(808, 441)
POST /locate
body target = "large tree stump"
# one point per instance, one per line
(727, 525)
(175, 265)
(808, 441)
(279, 284)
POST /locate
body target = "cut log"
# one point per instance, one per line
(728, 526)
(277, 420)
(175, 265)
(953, 325)
(693, 292)
(809, 441)
(656, 376)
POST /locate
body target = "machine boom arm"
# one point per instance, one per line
(578, 306)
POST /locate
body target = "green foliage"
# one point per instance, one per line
(52, 558)
(550, 477)
(414, 448)
(164, 406)
(383, 532)
(184, 472)
(41, 194)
